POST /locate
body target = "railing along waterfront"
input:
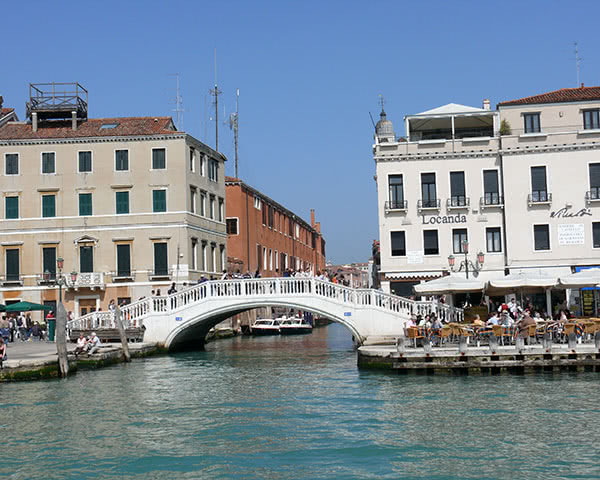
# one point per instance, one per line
(134, 313)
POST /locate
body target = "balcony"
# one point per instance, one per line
(592, 196)
(160, 274)
(458, 203)
(396, 206)
(47, 278)
(434, 204)
(11, 280)
(123, 276)
(91, 280)
(491, 200)
(539, 197)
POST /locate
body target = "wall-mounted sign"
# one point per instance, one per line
(414, 256)
(571, 234)
(444, 219)
(347, 314)
(566, 212)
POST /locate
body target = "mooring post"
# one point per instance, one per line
(61, 339)
(519, 343)
(427, 346)
(400, 347)
(597, 340)
(462, 344)
(572, 341)
(122, 334)
(547, 341)
(493, 344)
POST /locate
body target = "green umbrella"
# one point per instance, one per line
(26, 307)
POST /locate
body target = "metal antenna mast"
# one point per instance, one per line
(178, 104)
(577, 63)
(233, 124)
(216, 92)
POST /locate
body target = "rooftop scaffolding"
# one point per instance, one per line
(57, 101)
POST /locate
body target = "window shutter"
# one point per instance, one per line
(159, 200)
(86, 259)
(160, 259)
(122, 202)
(538, 179)
(85, 204)
(457, 184)
(490, 181)
(12, 207)
(123, 261)
(49, 260)
(594, 175)
(48, 206)
(12, 264)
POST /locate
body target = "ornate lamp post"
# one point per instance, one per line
(466, 263)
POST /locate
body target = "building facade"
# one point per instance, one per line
(130, 205)
(520, 184)
(264, 236)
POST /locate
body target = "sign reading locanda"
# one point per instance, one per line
(444, 219)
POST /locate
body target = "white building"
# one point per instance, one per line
(521, 184)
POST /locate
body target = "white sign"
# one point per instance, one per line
(571, 234)
(414, 256)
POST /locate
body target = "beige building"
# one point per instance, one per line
(521, 184)
(130, 204)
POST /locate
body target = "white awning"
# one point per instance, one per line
(526, 279)
(413, 275)
(450, 284)
(589, 277)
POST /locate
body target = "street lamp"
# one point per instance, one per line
(466, 263)
(60, 279)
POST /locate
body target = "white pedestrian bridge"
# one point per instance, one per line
(183, 319)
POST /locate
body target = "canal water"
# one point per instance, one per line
(296, 408)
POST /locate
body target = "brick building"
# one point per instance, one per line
(263, 235)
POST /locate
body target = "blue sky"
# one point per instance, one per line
(309, 73)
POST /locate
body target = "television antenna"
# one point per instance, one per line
(577, 63)
(233, 125)
(178, 103)
(215, 93)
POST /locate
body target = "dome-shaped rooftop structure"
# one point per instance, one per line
(384, 130)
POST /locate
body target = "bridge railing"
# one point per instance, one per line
(134, 313)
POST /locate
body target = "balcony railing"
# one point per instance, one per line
(11, 279)
(90, 280)
(434, 204)
(490, 200)
(539, 197)
(458, 202)
(160, 274)
(123, 276)
(396, 205)
(47, 278)
(592, 196)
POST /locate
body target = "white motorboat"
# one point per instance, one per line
(265, 327)
(294, 326)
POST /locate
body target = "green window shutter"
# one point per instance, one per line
(48, 162)
(161, 265)
(159, 159)
(11, 164)
(85, 162)
(85, 204)
(122, 160)
(86, 259)
(122, 202)
(49, 261)
(159, 200)
(123, 261)
(48, 205)
(12, 207)
(12, 264)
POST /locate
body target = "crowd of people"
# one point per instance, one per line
(19, 326)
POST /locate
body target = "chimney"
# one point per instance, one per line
(486, 104)
(1, 101)
(312, 217)
(74, 120)
(34, 121)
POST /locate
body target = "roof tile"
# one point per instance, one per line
(563, 95)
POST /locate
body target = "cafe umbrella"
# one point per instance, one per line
(26, 307)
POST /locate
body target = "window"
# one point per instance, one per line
(49, 261)
(222, 257)
(591, 119)
(430, 242)
(193, 199)
(291, 227)
(539, 191)
(121, 160)
(48, 205)
(221, 210)
(491, 191)
(203, 204)
(541, 235)
(159, 159)
(123, 260)
(398, 244)
(213, 170)
(194, 252)
(271, 216)
(596, 234)
(122, 202)
(264, 215)
(264, 253)
(270, 259)
(11, 207)
(428, 191)
(203, 165)
(161, 264)
(532, 122)
(48, 162)
(213, 256)
(85, 204)
(204, 257)
(594, 181)
(86, 259)
(493, 242)
(12, 265)
(85, 162)
(297, 231)
(459, 238)
(457, 189)
(257, 203)
(11, 164)
(212, 207)
(396, 193)
(232, 226)
(192, 159)
(159, 201)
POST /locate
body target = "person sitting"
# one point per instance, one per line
(524, 325)
(93, 344)
(436, 324)
(478, 322)
(81, 344)
(493, 320)
(3, 355)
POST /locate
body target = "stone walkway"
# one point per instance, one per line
(29, 353)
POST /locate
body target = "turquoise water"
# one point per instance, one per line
(297, 407)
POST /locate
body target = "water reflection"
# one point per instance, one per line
(297, 407)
